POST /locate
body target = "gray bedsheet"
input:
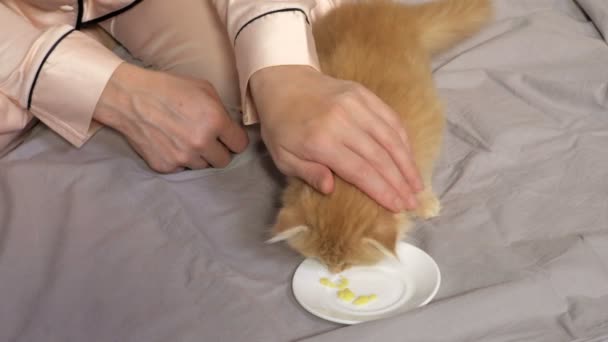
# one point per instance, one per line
(96, 247)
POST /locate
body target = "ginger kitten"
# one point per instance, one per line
(385, 46)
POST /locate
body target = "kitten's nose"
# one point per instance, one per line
(336, 268)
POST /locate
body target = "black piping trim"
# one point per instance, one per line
(80, 14)
(271, 12)
(29, 98)
(112, 14)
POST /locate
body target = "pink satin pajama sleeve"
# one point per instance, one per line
(54, 73)
(269, 33)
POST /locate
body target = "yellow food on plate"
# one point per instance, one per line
(346, 295)
(327, 282)
(362, 300)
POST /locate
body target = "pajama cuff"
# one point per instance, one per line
(69, 83)
(277, 38)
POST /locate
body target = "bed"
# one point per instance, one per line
(96, 247)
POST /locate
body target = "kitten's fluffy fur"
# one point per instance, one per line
(386, 47)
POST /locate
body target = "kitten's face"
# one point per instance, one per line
(342, 230)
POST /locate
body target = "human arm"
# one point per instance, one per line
(314, 124)
(56, 74)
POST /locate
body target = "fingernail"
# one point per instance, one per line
(324, 186)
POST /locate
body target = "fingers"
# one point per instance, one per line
(216, 154)
(218, 135)
(351, 167)
(357, 171)
(228, 136)
(377, 157)
(391, 144)
(234, 136)
(229, 132)
(174, 122)
(316, 175)
(197, 163)
(389, 132)
(387, 114)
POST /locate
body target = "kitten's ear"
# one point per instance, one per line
(388, 253)
(288, 234)
(287, 226)
(384, 240)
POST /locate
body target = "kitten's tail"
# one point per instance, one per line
(446, 22)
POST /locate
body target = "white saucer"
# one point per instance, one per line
(399, 286)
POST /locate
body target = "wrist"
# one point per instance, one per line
(115, 97)
(270, 84)
(277, 75)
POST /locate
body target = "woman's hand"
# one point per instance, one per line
(172, 122)
(312, 123)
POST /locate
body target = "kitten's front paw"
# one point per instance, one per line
(429, 205)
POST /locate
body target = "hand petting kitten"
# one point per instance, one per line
(314, 124)
(391, 56)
